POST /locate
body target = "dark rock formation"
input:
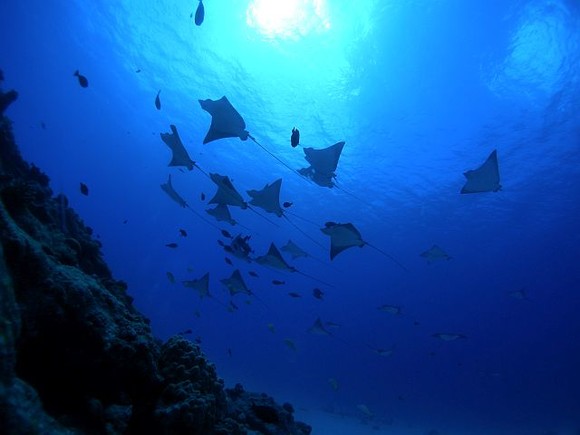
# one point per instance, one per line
(75, 356)
(261, 413)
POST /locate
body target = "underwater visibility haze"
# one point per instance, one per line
(405, 261)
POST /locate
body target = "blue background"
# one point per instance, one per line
(421, 91)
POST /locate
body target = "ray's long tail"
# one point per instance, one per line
(275, 156)
(304, 233)
(393, 259)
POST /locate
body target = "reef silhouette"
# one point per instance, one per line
(75, 355)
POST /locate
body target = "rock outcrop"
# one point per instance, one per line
(75, 355)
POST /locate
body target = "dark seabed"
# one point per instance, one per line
(432, 198)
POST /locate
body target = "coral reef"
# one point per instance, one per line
(75, 356)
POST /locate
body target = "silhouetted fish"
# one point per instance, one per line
(182, 232)
(252, 273)
(287, 204)
(290, 344)
(333, 383)
(228, 261)
(199, 14)
(43, 125)
(295, 137)
(278, 282)
(446, 336)
(226, 233)
(391, 309)
(317, 293)
(158, 101)
(82, 79)
(171, 245)
(521, 294)
(170, 277)
(365, 410)
(84, 189)
(202, 196)
(138, 71)
(294, 295)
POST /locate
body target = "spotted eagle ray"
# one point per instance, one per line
(344, 236)
(273, 258)
(485, 178)
(226, 122)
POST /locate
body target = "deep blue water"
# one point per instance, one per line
(420, 91)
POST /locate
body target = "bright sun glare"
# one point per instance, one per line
(288, 19)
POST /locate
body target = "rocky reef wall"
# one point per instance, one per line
(75, 355)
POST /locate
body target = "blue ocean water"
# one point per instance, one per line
(421, 91)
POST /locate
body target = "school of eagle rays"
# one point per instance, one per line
(226, 122)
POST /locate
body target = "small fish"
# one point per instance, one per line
(197, 313)
(226, 233)
(43, 125)
(278, 282)
(170, 277)
(333, 384)
(222, 244)
(125, 221)
(365, 410)
(294, 295)
(271, 328)
(521, 294)
(384, 352)
(202, 196)
(228, 261)
(82, 79)
(252, 273)
(186, 332)
(171, 245)
(290, 344)
(445, 336)
(182, 232)
(435, 253)
(229, 352)
(84, 189)
(391, 309)
(295, 137)
(287, 204)
(199, 14)
(138, 71)
(318, 294)
(158, 101)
